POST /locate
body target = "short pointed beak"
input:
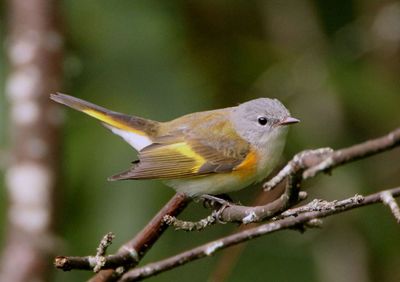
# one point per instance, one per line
(288, 120)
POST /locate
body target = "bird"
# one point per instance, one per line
(203, 153)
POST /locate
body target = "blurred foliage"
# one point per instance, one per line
(335, 64)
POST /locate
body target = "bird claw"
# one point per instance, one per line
(211, 200)
(217, 213)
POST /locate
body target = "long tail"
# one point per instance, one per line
(136, 131)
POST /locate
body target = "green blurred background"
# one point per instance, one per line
(334, 64)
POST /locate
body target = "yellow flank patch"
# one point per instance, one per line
(248, 166)
(109, 120)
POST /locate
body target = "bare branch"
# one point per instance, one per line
(295, 172)
(131, 252)
(129, 255)
(242, 214)
(300, 162)
(323, 209)
(356, 152)
(388, 199)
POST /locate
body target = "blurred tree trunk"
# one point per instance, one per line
(35, 58)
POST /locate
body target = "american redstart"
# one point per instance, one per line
(211, 152)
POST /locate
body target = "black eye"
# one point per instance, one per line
(262, 120)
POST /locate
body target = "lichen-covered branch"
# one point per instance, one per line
(101, 251)
(316, 210)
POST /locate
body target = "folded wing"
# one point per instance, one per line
(189, 153)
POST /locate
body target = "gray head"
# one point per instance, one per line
(259, 120)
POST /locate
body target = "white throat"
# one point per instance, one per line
(270, 148)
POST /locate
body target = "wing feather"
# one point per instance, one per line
(164, 162)
(190, 149)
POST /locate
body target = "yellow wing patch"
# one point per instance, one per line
(186, 150)
(170, 161)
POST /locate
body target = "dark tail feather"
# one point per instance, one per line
(115, 119)
(125, 175)
(76, 103)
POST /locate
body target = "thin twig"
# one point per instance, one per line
(324, 210)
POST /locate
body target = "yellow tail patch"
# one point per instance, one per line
(109, 120)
